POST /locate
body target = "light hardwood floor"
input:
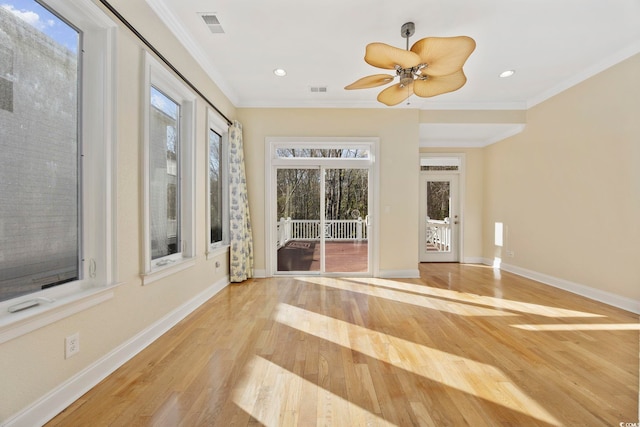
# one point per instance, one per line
(463, 345)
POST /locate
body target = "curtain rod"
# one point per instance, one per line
(126, 23)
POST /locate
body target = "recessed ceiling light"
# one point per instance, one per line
(279, 72)
(507, 73)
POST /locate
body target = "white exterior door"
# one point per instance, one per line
(439, 217)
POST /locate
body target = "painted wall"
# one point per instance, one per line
(567, 189)
(33, 365)
(399, 168)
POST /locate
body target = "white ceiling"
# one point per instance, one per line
(466, 134)
(551, 44)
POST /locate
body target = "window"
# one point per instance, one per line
(218, 182)
(39, 167)
(336, 152)
(169, 172)
(164, 170)
(56, 168)
(440, 163)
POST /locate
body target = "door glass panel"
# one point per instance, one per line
(345, 225)
(298, 219)
(438, 231)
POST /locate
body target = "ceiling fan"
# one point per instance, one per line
(432, 67)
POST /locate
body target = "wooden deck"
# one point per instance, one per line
(341, 257)
(462, 345)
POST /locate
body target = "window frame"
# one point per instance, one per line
(97, 268)
(219, 125)
(159, 77)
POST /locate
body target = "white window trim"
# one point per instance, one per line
(158, 76)
(98, 271)
(219, 125)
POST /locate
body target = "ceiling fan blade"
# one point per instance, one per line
(395, 94)
(371, 81)
(443, 55)
(384, 56)
(437, 85)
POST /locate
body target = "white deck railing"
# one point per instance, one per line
(438, 235)
(334, 230)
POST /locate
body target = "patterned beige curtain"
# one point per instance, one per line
(241, 255)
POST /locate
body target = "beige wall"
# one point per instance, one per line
(33, 364)
(398, 158)
(471, 200)
(568, 187)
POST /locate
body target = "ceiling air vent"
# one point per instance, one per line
(316, 89)
(212, 23)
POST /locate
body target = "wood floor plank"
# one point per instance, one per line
(462, 345)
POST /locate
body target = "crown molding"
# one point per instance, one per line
(163, 12)
(587, 73)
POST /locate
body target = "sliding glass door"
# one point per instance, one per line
(298, 223)
(346, 195)
(321, 201)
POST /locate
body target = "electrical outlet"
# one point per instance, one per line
(511, 254)
(218, 266)
(71, 345)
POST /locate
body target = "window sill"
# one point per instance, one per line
(217, 251)
(13, 325)
(168, 270)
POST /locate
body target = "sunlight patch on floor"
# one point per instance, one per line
(401, 295)
(277, 397)
(465, 297)
(430, 363)
(582, 327)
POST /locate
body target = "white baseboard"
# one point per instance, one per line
(599, 295)
(473, 260)
(54, 402)
(384, 274)
(259, 274)
(399, 274)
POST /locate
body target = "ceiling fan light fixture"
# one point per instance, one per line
(406, 77)
(431, 67)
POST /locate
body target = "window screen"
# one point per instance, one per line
(164, 172)
(6, 78)
(39, 166)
